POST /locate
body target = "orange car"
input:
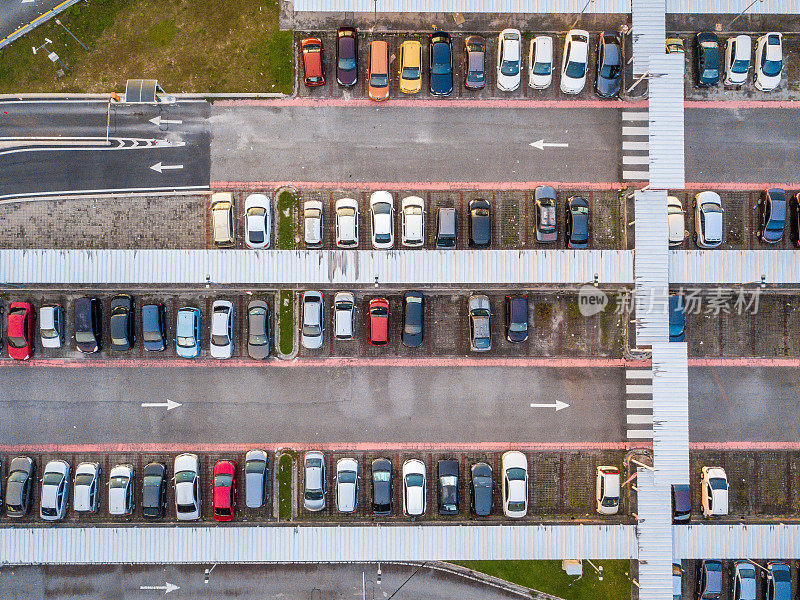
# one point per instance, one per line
(378, 76)
(312, 62)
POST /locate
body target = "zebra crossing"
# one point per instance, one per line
(639, 403)
(635, 145)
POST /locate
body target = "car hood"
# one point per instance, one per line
(442, 83)
(607, 87)
(184, 493)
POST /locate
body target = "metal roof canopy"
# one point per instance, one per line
(670, 413)
(648, 32)
(766, 7)
(666, 124)
(775, 540)
(463, 6)
(655, 537)
(650, 267)
(716, 267)
(144, 91)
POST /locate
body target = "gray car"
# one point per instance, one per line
(314, 481)
(256, 475)
(480, 323)
(19, 486)
(313, 328)
(258, 329)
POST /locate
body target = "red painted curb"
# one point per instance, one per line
(729, 104)
(739, 186)
(433, 103)
(744, 446)
(744, 362)
(428, 186)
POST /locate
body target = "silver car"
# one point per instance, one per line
(121, 484)
(312, 223)
(313, 325)
(480, 323)
(222, 329)
(346, 485)
(344, 315)
(256, 473)
(187, 487)
(55, 490)
(51, 326)
(86, 490)
(708, 215)
(314, 481)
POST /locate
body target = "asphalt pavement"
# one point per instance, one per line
(16, 13)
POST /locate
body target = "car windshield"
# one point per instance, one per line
(120, 481)
(312, 48)
(254, 466)
(515, 474)
(747, 573)
(84, 479)
(379, 311)
(480, 312)
(151, 481)
(414, 480)
(740, 66)
(185, 341)
(610, 501)
(314, 494)
(258, 339)
(509, 68)
(379, 80)
(220, 340)
(575, 70)
(311, 330)
(347, 64)
(718, 483)
(152, 336)
(542, 68)
(186, 508)
(609, 71)
(518, 327)
(712, 208)
(413, 210)
(476, 76)
(713, 566)
(51, 478)
(382, 208)
(411, 73)
(450, 480)
(483, 482)
(481, 212)
(184, 477)
(312, 213)
(781, 574)
(49, 334)
(84, 337)
(772, 68)
(17, 477)
(346, 211)
(16, 342)
(516, 506)
(347, 477)
(256, 236)
(314, 463)
(223, 480)
(378, 476)
(674, 210)
(580, 210)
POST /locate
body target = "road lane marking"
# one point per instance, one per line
(169, 404)
(626, 145)
(558, 405)
(160, 168)
(639, 403)
(635, 419)
(638, 374)
(636, 116)
(635, 160)
(541, 144)
(639, 389)
(640, 434)
(169, 587)
(636, 175)
(8, 197)
(645, 130)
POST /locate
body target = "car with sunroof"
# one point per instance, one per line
(441, 64)
(346, 56)
(475, 72)
(187, 332)
(706, 64)
(772, 212)
(768, 61)
(314, 481)
(509, 59)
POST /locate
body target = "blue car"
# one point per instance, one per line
(187, 332)
(441, 61)
(677, 319)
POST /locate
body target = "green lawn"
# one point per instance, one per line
(285, 486)
(547, 576)
(188, 45)
(287, 217)
(286, 321)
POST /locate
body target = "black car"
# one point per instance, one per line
(681, 503)
(19, 486)
(772, 208)
(794, 220)
(677, 318)
(447, 481)
(475, 73)
(154, 490)
(706, 47)
(153, 334)
(516, 318)
(441, 61)
(709, 582)
(544, 207)
(382, 490)
(480, 223)
(413, 319)
(480, 490)
(577, 222)
(347, 56)
(121, 323)
(88, 325)
(609, 65)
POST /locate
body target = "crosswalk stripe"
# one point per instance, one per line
(640, 175)
(638, 374)
(635, 160)
(640, 434)
(636, 116)
(639, 404)
(626, 145)
(638, 389)
(640, 419)
(639, 130)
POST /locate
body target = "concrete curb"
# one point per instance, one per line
(36, 22)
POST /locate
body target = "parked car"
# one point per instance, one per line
(769, 61)
(19, 486)
(480, 223)
(314, 481)
(441, 64)
(607, 490)
(714, 491)
(121, 324)
(794, 220)
(256, 478)
(187, 332)
(413, 319)
(480, 490)
(346, 223)
(516, 309)
(414, 488)
(55, 490)
(19, 330)
(675, 45)
(410, 67)
(313, 324)
(347, 56)
(224, 490)
(446, 227)
(221, 344)
(382, 487)
(706, 59)
(480, 323)
(187, 487)
(378, 73)
(257, 221)
(540, 62)
(544, 209)
(475, 73)
(509, 57)
(153, 329)
(577, 210)
(609, 65)
(681, 503)
(313, 62)
(222, 223)
(344, 315)
(515, 484)
(381, 209)
(744, 580)
(86, 488)
(258, 329)
(88, 325)
(346, 485)
(677, 318)
(772, 209)
(448, 484)
(154, 490)
(707, 220)
(574, 62)
(737, 59)
(677, 581)
(675, 222)
(379, 322)
(413, 221)
(51, 326)
(121, 487)
(779, 581)
(312, 223)
(709, 584)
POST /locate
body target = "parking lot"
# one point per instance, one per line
(691, 573)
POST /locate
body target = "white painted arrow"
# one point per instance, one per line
(541, 144)
(169, 404)
(161, 168)
(558, 405)
(157, 121)
(169, 587)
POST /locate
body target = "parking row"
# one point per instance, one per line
(743, 579)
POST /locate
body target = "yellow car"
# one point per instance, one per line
(410, 67)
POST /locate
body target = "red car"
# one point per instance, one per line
(224, 490)
(20, 330)
(379, 322)
(314, 74)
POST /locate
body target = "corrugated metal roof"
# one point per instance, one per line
(767, 7)
(670, 413)
(666, 121)
(352, 267)
(651, 267)
(655, 537)
(734, 266)
(775, 540)
(129, 545)
(464, 6)
(648, 32)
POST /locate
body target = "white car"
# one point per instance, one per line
(312, 223)
(381, 210)
(222, 329)
(708, 220)
(714, 491)
(346, 223)
(540, 62)
(607, 490)
(515, 484)
(509, 59)
(413, 217)
(737, 59)
(769, 61)
(257, 221)
(187, 487)
(55, 490)
(415, 487)
(675, 221)
(86, 488)
(346, 485)
(574, 63)
(121, 484)
(51, 326)
(344, 315)
(313, 325)
(314, 481)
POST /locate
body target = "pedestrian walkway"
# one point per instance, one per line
(635, 145)
(639, 403)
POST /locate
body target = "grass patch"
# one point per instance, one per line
(188, 45)
(286, 321)
(547, 576)
(287, 217)
(285, 486)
